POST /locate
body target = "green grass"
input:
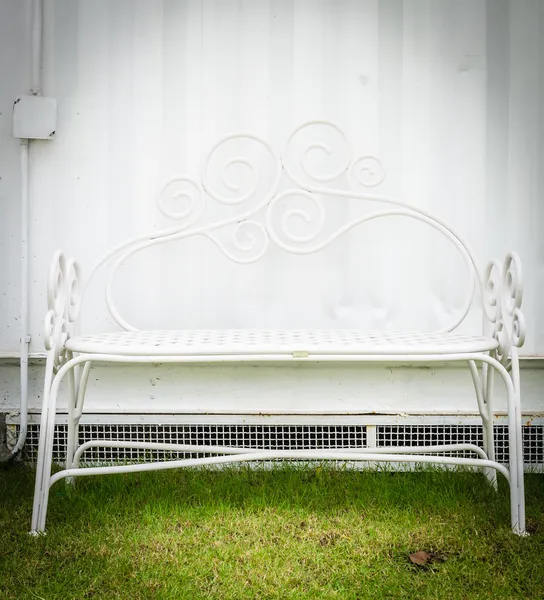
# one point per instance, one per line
(281, 533)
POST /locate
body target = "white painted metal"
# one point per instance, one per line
(34, 118)
(44, 480)
(275, 454)
(278, 432)
(25, 339)
(70, 355)
(279, 215)
(227, 450)
(25, 336)
(258, 342)
(37, 34)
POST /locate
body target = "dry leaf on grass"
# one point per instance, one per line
(421, 558)
(424, 559)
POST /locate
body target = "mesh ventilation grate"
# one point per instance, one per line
(266, 437)
(431, 435)
(279, 437)
(428, 435)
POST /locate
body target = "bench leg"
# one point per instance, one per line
(47, 431)
(483, 386)
(72, 423)
(78, 380)
(488, 423)
(516, 444)
(45, 447)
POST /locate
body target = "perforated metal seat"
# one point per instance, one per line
(264, 342)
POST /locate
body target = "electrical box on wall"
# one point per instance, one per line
(34, 117)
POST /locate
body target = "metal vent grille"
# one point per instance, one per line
(428, 435)
(280, 437)
(277, 437)
(431, 435)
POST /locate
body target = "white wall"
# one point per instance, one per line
(264, 389)
(14, 80)
(447, 92)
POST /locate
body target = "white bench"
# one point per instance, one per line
(274, 217)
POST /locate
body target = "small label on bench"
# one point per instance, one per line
(300, 354)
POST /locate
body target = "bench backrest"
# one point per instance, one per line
(242, 178)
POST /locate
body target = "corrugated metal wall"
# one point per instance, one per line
(449, 94)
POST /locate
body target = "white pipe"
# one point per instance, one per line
(35, 90)
(25, 337)
(37, 28)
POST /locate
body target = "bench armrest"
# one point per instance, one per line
(63, 303)
(502, 297)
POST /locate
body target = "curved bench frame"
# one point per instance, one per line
(500, 288)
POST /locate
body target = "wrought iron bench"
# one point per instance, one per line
(317, 170)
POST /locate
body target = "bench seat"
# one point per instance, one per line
(297, 342)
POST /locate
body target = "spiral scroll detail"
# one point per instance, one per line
(503, 294)
(63, 303)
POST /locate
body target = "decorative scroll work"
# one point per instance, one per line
(317, 152)
(366, 171)
(298, 220)
(242, 173)
(63, 301)
(249, 242)
(234, 176)
(503, 294)
(182, 199)
(237, 203)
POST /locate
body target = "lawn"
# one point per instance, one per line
(287, 532)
